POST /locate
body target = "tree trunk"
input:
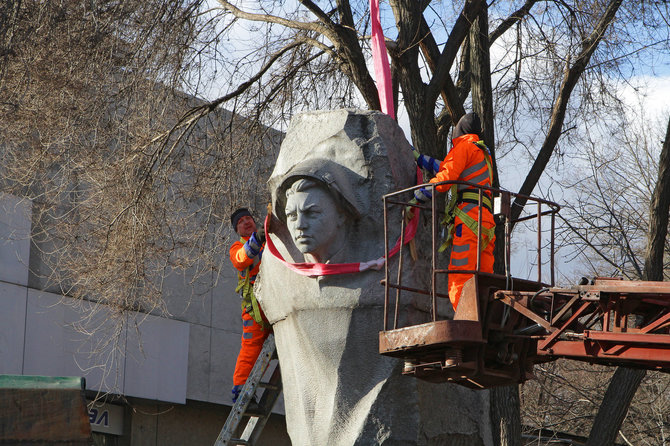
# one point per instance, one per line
(453, 105)
(624, 382)
(408, 17)
(505, 415)
(480, 81)
(658, 215)
(505, 406)
(613, 410)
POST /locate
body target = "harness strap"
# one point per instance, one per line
(487, 157)
(249, 302)
(471, 223)
(473, 197)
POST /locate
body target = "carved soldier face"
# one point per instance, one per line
(314, 220)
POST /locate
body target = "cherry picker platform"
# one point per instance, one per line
(503, 325)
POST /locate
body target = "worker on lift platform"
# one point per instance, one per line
(245, 255)
(468, 160)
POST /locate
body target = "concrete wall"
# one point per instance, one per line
(195, 423)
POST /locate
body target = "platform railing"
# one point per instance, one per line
(502, 216)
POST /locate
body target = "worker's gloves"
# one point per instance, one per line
(253, 246)
(429, 163)
(260, 235)
(421, 196)
(409, 210)
(236, 392)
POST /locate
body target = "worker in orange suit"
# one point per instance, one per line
(468, 160)
(245, 255)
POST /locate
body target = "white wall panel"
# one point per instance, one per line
(188, 298)
(12, 328)
(15, 217)
(226, 303)
(156, 358)
(199, 362)
(225, 347)
(66, 337)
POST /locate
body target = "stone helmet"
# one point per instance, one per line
(336, 179)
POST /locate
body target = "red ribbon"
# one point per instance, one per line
(327, 269)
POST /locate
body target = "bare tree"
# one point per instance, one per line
(611, 214)
(617, 223)
(566, 396)
(625, 382)
(96, 130)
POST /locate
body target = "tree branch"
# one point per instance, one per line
(318, 12)
(456, 37)
(589, 243)
(348, 49)
(321, 46)
(572, 75)
(515, 17)
(453, 105)
(305, 26)
(194, 114)
(624, 382)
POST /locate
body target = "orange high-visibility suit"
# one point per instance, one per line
(246, 258)
(467, 161)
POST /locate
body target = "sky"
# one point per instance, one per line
(654, 98)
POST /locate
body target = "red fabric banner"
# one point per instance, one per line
(381, 62)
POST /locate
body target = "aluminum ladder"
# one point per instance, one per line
(256, 420)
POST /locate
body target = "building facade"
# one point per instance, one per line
(151, 379)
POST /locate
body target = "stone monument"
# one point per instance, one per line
(332, 170)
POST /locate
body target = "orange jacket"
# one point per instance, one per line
(464, 162)
(241, 260)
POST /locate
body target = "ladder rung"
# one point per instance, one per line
(261, 412)
(257, 419)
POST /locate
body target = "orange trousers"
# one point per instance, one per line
(464, 252)
(253, 337)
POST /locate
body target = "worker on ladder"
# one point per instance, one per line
(468, 160)
(245, 255)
